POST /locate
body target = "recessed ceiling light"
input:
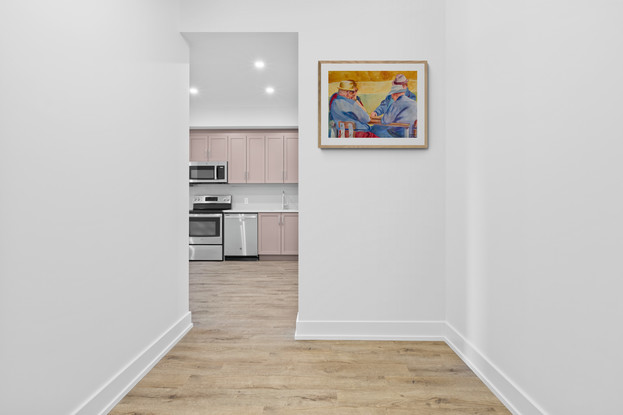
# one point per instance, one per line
(259, 64)
(193, 91)
(270, 90)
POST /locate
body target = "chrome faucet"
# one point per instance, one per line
(283, 200)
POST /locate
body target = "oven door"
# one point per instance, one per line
(206, 229)
(205, 252)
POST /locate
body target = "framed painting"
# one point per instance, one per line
(372, 104)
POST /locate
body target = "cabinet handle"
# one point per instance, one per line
(208, 153)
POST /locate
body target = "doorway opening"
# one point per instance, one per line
(244, 113)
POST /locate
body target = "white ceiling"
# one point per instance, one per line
(222, 69)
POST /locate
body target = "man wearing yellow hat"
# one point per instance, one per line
(345, 107)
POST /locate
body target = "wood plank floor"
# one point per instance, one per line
(241, 358)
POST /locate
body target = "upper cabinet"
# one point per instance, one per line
(246, 158)
(291, 158)
(252, 156)
(282, 158)
(207, 147)
(274, 158)
(217, 147)
(256, 158)
(198, 146)
(237, 161)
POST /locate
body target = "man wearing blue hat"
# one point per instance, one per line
(401, 110)
(399, 80)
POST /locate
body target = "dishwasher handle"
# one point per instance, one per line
(241, 215)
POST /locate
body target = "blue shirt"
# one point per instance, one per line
(384, 105)
(403, 110)
(345, 109)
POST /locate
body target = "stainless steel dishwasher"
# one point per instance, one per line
(241, 236)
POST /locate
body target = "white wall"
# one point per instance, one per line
(534, 202)
(93, 277)
(371, 222)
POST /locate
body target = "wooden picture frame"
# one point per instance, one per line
(372, 104)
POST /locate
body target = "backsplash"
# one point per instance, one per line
(261, 195)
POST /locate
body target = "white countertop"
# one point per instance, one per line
(261, 211)
(260, 208)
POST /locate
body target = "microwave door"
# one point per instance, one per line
(202, 172)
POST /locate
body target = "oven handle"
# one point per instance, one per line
(205, 215)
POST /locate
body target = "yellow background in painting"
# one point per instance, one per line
(371, 76)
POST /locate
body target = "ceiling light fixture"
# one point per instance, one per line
(270, 90)
(193, 91)
(259, 64)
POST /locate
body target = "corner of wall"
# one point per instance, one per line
(109, 395)
(511, 395)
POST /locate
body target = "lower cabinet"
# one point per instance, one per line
(278, 233)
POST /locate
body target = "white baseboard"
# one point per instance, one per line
(105, 399)
(516, 400)
(370, 330)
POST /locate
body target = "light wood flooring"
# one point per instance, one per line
(241, 358)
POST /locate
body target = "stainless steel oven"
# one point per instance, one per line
(207, 172)
(206, 229)
(205, 236)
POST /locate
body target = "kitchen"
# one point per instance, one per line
(243, 167)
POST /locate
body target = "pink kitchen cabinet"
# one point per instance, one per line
(274, 158)
(282, 158)
(253, 157)
(207, 147)
(217, 147)
(246, 158)
(278, 234)
(198, 146)
(289, 233)
(269, 233)
(237, 161)
(256, 158)
(291, 158)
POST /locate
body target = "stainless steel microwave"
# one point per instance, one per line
(207, 172)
